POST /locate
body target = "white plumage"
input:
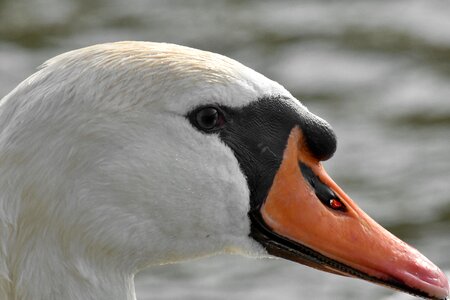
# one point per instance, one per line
(101, 174)
(104, 173)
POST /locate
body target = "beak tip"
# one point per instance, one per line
(435, 280)
(445, 286)
(429, 279)
(436, 286)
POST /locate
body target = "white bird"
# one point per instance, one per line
(121, 156)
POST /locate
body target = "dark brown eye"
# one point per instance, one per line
(209, 118)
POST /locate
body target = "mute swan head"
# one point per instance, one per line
(119, 156)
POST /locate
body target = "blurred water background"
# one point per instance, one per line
(378, 71)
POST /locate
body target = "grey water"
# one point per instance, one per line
(378, 71)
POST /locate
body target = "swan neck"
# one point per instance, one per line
(46, 273)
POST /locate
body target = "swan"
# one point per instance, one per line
(120, 156)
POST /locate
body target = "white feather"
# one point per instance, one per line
(102, 175)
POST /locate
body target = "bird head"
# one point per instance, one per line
(147, 153)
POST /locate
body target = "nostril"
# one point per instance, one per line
(322, 191)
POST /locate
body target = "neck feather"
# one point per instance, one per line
(39, 271)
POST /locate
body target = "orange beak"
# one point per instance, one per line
(307, 218)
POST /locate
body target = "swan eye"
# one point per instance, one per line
(209, 118)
